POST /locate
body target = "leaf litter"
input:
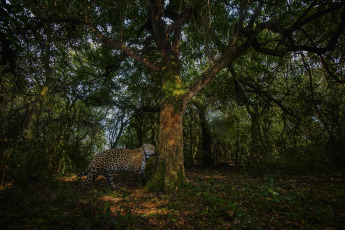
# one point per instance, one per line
(213, 199)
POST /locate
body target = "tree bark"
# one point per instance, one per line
(206, 153)
(122, 125)
(170, 174)
(254, 134)
(188, 155)
(237, 143)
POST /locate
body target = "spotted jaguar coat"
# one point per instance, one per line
(118, 160)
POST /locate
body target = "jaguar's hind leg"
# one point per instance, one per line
(91, 176)
(109, 175)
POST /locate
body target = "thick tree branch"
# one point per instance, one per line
(231, 54)
(254, 16)
(180, 22)
(123, 47)
(287, 34)
(102, 37)
(325, 65)
(243, 12)
(207, 76)
(299, 23)
(299, 20)
(331, 43)
(264, 50)
(158, 26)
(176, 27)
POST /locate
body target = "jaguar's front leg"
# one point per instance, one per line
(137, 179)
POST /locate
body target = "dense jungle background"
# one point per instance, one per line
(263, 137)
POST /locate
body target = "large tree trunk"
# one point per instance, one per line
(170, 173)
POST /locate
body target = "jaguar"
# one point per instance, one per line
(118, 160)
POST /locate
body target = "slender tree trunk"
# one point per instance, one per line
(189, 155)
(153, 131)
(254, 134)
(119, 134)
(237, 143)
(206, 157)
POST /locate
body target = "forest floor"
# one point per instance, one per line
(213, 199)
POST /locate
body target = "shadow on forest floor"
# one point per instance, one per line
(213, 199)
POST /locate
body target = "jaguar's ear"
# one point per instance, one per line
(144, 147)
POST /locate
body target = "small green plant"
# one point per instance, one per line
(124, 221)
(104, 212)
(126, 196)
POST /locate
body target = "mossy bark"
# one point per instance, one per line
(170, 174)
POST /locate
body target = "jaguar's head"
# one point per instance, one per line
(149, 150)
